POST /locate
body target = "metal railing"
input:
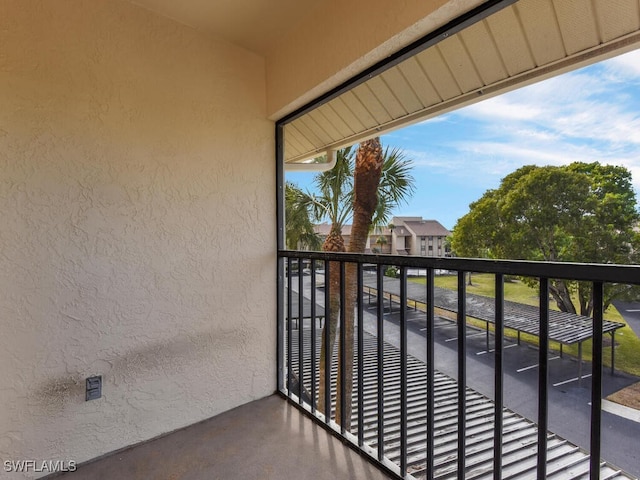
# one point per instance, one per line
(300, 298)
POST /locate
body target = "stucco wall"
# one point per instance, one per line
(137, 227)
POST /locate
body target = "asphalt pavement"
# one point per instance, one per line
(630, 311)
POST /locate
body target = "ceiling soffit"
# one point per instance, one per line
(253, 24)
(520, 44)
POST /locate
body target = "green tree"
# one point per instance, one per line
(299, 230)
(341, 191)
(381, 241)
(333, 199)
(583, 212)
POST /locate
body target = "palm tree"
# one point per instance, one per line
(300, 234)
(334, 202)
(334, 199)
(381, 242)
(366, 203)
(346, 192)
(396, 185)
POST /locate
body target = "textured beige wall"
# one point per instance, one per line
(344, 37)
(137, 227)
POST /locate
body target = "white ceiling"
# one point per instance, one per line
(252, 24)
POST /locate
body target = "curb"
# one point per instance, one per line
(620, 410)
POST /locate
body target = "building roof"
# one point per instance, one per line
(428, 228)
(400, 231)
(409, 226)
(324, 229)
(381, 231)
(398, 220)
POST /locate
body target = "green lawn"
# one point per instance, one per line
(628, 344)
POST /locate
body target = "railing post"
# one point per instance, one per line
(499, 376)
(380, 349)
(403, 371)
(613, 352)
(360, 358)
(462, 373)
(327, 341)
(543, 378)
(430, 374)
(289, 325)
(312, 333)
(596, 381)
(342, 349)
(280, 328)
(280, 262)
(300, 330)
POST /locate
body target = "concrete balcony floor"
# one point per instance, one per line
(264, 439)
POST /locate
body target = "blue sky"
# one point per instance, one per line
(591, 114)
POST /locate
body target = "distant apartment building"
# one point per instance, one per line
(403, 236)
(323, 230)
(416, 236)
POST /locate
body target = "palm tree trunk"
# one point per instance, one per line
(368, 170)
(333, 243)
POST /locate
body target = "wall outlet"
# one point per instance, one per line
(94, 388)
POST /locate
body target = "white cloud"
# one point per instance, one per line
(539, 101)
(626, 66)
(491, 159)
(438, 119)
(581, 116)
(502, 108)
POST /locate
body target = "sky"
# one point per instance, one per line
(588, 115)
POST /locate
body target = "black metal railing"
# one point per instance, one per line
(386, 417)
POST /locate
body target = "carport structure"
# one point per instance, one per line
(564, 328)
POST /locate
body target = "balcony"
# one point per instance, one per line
(428, 386)
(417, 401)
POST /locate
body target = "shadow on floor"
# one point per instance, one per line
(264, 439)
